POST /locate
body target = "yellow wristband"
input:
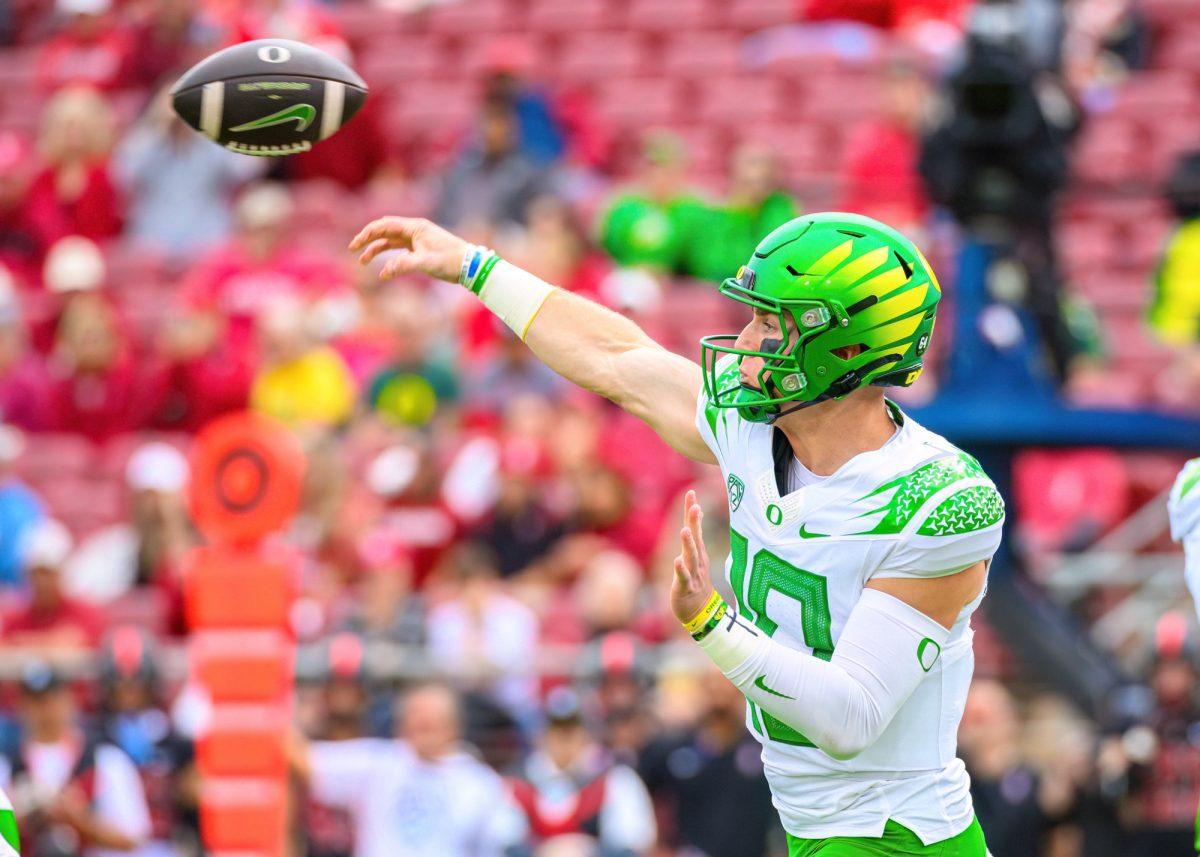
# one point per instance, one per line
(701, 619)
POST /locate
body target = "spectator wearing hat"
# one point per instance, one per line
(422, 794)
(137, 563)
(707, 780)
(49, 621)
(21, 509)
(73, 194)
(179, 186)
(569, 787)
(136, 721)
(70, 790)
(89, 49)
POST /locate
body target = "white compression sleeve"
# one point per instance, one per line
(1191, 568)
(844, 704)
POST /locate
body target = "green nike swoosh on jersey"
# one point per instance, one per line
(806, 534)
(761, 684)
(301, 114)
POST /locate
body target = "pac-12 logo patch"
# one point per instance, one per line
(737, 489)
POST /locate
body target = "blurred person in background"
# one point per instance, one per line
(422, 793)
(301, 381)
(754, 204)
(384, 606)
(328, 830)
(569, 787)
(707, 781)
(22, 374)
(996, 157)
(649, 223)
(418, 380)
(136, 720)
(21, 509)
(98, 386)
(170, 35)
(74, 793)
(1016, 804)
(1175, 307)
(90, 48)
(1105, 41)
(1160, 762)
(493, 183)
(141, 559)
(506, 66)
(48, 621)
(615, 678)
(178, 185)
(212, 340)
(482, 636)
(511, 372)
(880, 176)
(73, 194)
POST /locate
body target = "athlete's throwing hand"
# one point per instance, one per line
(692, 586)
(424, 247)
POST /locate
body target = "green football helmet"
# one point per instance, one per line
(840, 280)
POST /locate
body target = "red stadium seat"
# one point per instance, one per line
(598, 56)
(738, 101)
(400, 60)
(670, 16)
(569, 16)
(750, 15)
(470, 16)
(701, 54)
(433, 105)
(638, 102)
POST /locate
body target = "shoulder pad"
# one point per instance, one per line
(903, 499)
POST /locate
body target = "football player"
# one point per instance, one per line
(860, 541)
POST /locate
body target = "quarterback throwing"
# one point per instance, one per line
(859, 540)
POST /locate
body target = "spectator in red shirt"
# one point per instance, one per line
(880, 174)
(89, 49)
(73, 194)
(212, 344)
(50, 622)
(21, 373)
(97, 386)
(169, 36)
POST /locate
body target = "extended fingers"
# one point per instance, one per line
(373, 249)
(397, 230)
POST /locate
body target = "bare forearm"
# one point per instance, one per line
(584, 342)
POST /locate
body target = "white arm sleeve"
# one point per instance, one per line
(1183, 506)
(843, 705)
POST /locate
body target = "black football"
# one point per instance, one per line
(268, 97)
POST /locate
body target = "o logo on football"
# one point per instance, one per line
(274, 54)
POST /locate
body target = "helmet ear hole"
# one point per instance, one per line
(849, 352)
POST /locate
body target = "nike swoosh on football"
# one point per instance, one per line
(805, 534)
(760, 683)
(301, 114)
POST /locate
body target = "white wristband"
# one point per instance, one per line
(515, 296)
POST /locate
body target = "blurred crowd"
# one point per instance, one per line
(463, 507)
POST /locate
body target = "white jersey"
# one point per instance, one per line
(1184, 509)
(916, 507)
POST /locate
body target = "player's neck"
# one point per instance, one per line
(826, 436)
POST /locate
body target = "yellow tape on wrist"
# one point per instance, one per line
(701, 619)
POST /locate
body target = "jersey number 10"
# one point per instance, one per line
(768, 572)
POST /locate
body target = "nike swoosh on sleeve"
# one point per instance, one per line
(760, 683)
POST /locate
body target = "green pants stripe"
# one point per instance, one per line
(897, 841)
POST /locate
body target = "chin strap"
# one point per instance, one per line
(843, 386)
